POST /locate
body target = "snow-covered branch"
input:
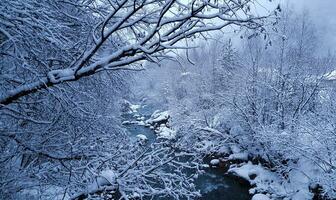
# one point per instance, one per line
(147, 28)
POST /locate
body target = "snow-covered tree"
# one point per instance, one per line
(65, 66)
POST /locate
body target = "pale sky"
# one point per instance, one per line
(323, 12)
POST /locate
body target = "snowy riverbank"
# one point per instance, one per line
(265, 183)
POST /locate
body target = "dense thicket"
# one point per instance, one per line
(60, 126)
(276, 100)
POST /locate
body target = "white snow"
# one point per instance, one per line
(261, 178)
(141, 123)
(302, 195)
(264, 180)
(239, 156)
(224, 150)
(215, 162)
(142, 137)
(260, 197)
(204, 166)
(126, 122)
(164, 132)
(204, 145)
(158, 116)
(235, 149)
(109, 175)
(59, 75)
(330, 76)
(106, 177)
(133, 108)
(185, 73)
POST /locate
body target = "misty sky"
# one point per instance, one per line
(323, 12)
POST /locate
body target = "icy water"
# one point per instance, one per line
(214, 184)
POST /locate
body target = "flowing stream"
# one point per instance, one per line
(214, 184)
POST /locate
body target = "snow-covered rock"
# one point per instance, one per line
(224, 150)
(295, 187)
(215, 162)
(130, 108)
(141, 123)
(109, 175)
(158, 118)
(134, 107)
(135, 195)
(261, 178)
(235, 149)
(260, 197)
(142, 137)
(239, 156)
(126, 122)
(166, 133)
(204, 166)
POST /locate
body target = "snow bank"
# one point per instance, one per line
(166, 133)
(265, 181)
(259, 177)
(260, 197)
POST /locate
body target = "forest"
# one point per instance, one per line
(167, 99)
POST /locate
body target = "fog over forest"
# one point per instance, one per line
(168, 99)
(324, 17)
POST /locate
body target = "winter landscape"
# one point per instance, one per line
(167, 99)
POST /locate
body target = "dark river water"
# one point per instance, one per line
(214, 184)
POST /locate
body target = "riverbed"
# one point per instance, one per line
(214, 184)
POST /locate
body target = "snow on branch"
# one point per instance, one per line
(60, 75)
(148, 28)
